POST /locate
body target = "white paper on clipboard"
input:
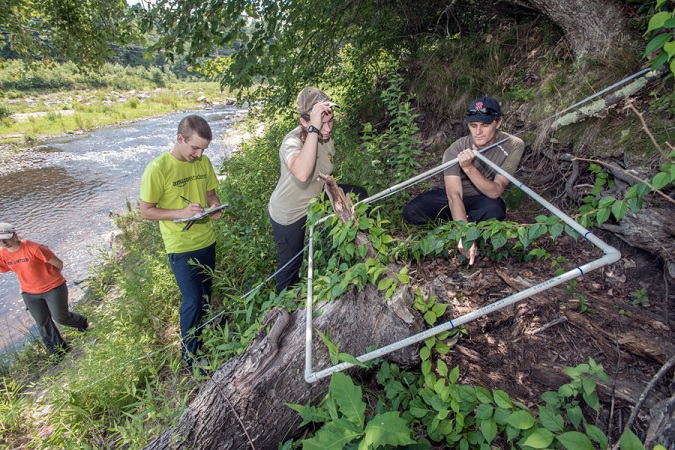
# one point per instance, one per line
(202, 214)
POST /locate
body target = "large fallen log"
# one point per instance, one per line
(244, 404)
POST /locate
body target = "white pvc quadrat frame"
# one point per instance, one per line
(610, 256)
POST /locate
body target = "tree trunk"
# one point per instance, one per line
(244, 403)
(652, 229)
(591, 27)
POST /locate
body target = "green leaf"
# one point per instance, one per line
(536, 230)
(442, 368)
(426, 367)
(333, 436)
(346, 357)
(541, 438)
(606, 201)
(575, 416)
(575, 440)
(502, 399)
(430, 317)
(603, 215)
(660, 180)
(484, 411)
(348, 397)
(454, 375)
(488, 429)
(498, 240)
(387, 429)
(656, 43)
(551, 420)
(310, 414)
(630, 442)
(556, 229)
(425, 353)
(521, 420)
(669, 47)
(658, 20)
(596, 435)
(619, 209)
(472, 233)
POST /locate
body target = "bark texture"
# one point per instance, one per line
(244, 403)
(592, 28)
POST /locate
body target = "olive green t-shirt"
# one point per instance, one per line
(290, 198)
(506, 155)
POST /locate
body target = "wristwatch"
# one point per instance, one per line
(313, 129)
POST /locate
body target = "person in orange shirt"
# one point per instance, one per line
(43, 287)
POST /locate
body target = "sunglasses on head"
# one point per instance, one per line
(483, 111)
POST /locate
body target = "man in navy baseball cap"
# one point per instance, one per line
(484, 110)
(472, 190)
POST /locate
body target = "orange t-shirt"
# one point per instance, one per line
(29, 262)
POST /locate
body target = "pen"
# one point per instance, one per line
(185, 199)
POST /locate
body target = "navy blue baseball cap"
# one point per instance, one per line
(485, 109)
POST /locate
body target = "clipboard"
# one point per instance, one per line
(205, 213)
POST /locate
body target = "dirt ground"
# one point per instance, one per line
(523, 348)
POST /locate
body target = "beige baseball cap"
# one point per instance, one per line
(309, 97)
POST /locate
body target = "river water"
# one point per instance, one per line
(62, 194)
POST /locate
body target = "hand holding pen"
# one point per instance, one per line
(191, 209)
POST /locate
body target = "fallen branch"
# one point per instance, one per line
(664, 369)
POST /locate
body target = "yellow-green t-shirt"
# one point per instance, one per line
(164, 181)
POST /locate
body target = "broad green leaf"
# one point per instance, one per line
(603, 215)
(556, 230)
(596, 435)
(439, 309)
(521, 420)
(386, 429)
(484, 411)
(619, 209)
(669, 47)
(502, 399)
(442, 368)
(536, 230)
(575, 440)
(430, 317)
(656, 43)
(541, 438)
(498, 241)
(550, 419)
(426, 367)
(606, 201)
(483, 395)
(630, 442)
(472, 234)
(660, 180)
(346, 357)
(425, 353)
(333, 436)
(310, 413)
(658, 20)
(348, 397)
(442, 348)
(488, 429)
(454, 375)
(575, 416)
(588, 384)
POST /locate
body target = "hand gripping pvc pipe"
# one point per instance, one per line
(610, 255)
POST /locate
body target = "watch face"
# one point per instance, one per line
(312, 129)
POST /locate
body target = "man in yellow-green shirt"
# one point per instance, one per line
(178, 185)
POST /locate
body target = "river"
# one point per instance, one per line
(63, 193)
